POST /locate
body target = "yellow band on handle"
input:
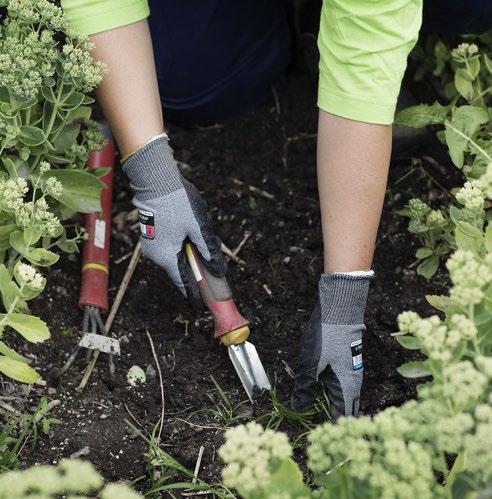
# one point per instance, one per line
(95, 266)
(235, 337)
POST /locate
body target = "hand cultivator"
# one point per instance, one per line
(95, 267)
(231, 328)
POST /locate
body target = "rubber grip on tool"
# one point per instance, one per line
(95, 258)
(216, 295)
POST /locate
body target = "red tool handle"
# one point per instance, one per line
(95, 260)
(217, 295)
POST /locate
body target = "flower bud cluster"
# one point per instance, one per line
(471, 197)
(469, 275)
(80, 68)
(464, 51)
(438, 338)
(251, 453)
(28, 275)
(12, 193)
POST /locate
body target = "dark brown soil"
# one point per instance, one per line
(272, 149)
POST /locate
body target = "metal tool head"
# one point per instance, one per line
(97, 338)
(99, 342)
(249, 368)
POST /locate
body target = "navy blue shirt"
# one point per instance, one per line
(217, 58)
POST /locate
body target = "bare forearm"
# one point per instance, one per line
(353, 161)
(129, 95)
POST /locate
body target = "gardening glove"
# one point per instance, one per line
(171, 211)
(331, 346)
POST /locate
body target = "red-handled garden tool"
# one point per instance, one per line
(231, 328)
(95, 271)
(95, 262)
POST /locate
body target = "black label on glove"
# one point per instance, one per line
(356, 347)
(147, 228)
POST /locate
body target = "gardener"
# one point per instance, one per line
(363, 51)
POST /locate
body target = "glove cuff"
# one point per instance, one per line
(343, 298)
(152, 170)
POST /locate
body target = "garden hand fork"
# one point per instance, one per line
(95, 263)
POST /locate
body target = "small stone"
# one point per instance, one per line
(150, 371)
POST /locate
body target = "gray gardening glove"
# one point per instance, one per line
(171, 211)
(331, 346)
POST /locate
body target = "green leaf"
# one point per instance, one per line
(9, 166)
(100, 172)
(458, 465)
(414, 369)
(474, 67)
(12, 354)
(37, 256)
(422, 253)
(5, 231)
(57, 159)
(439, 302)
(488, 237)
(42, 257)
(48, 108)
(31, 135)
(4, 95)
(47, 93)
(468, 237)
(422, 115)
(67, 138)
(81, 190)
(8, 288)
(467, 120)
(409, 342)
(18, 370)
(31, 235)
(82, 112)
(24, 104)
(463, 83)
(17, 242)
(68, 246)
(486, 60)
(32, 328)
(428, 267)
(73, 101)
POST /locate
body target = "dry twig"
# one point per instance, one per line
(161, 383)
(290, 140)
(247, 235)
(228, 252)
(198, 463)
(82, 452)
(256, 190)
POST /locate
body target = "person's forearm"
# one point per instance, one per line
(129, 95)
(353, 160)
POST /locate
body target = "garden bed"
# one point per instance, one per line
(274, 150)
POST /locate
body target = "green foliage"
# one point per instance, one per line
(466, 131)
(163, 468)
(21, 431)
(71, 476)
(45, 137)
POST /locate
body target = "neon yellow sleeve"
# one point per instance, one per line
(93, 16)
(363, 47)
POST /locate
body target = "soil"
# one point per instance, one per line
(273, 149)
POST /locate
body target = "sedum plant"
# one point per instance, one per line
(70, 478)
(465, 129)
(46, 135)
